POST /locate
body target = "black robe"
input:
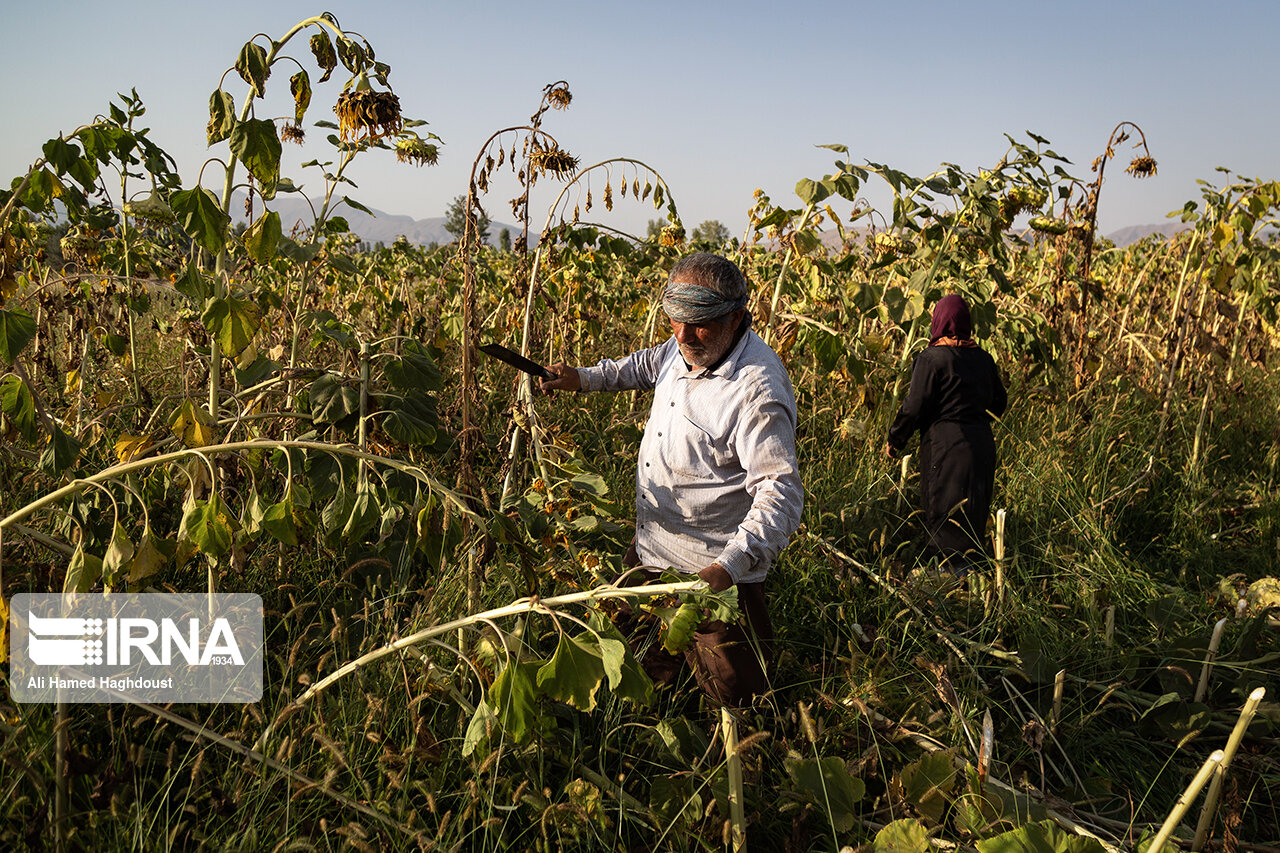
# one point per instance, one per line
(952, 390)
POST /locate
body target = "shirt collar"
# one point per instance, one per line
(727, 366)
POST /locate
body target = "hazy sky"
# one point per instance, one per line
(719, 98)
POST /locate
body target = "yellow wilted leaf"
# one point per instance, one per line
(8, 287)
(193, 425)
(73, 382)
(105, 399)
(4, 629)
(130, 447)
(1223, 233)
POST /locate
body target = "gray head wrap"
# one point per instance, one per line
(686, 302)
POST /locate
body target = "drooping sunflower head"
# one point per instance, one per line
(893, 244)
(290, 132)
(671, 235)
(411, 149)
(1021, 199)
(554, 160)
(364, 113)
(559, 97)
(1142, 167)
(81, 245)
(152, 209)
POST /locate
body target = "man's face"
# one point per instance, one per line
(703, 344)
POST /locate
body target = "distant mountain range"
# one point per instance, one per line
(382, 227)
(1125, 236)
(385, 227)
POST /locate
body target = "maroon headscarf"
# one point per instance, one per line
(951, 319)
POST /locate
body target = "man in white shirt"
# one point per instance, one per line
(718, 489)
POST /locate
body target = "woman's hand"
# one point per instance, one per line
(889, 451)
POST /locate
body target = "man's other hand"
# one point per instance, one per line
(567, 379)
(716, 577)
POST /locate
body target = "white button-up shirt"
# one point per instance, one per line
(716, 479)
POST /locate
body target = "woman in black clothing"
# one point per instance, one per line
(955, 388)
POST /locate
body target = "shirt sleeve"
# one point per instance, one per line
(638, 371)
(766, 440)
(912, 410)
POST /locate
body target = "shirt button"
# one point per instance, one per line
(673, 404)
(659, 435)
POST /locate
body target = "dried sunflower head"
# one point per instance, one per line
(411, 149)
(366, 114)
(671, 235)
(1021, 200)
(893, 244)
(81, 245)
(152, 209)
(1142, 167)
(1048, 225)
(559, 97)
(555, 160)
(292, 133)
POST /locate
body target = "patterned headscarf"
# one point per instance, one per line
(951, 319)
(686, 302)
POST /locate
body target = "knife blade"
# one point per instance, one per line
(517, 361)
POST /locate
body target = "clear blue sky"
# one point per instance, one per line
(720, 98)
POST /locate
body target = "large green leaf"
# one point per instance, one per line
(514, 697)
(262, 238)
(119, 555)
(811, 191)
(61, 452)
(364, 514)
(232, 322)
(153, 552)
(478, 729)
(207, 526)
(411, 420)
(927, 784)
(573, 674)
(257, 145)
(82, 572)
(331, 401)
(222, 117)
(829, 349)
(322, 50)
(17, 328)
(201, 217)
(826, 783)
(278, 521)
(252, 67)
(18, 405)
(193, 284)
(414, 370)
(352, 55)
(627, 679)
(1043, 837)
(903, 836)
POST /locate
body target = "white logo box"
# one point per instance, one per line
(135, 647)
